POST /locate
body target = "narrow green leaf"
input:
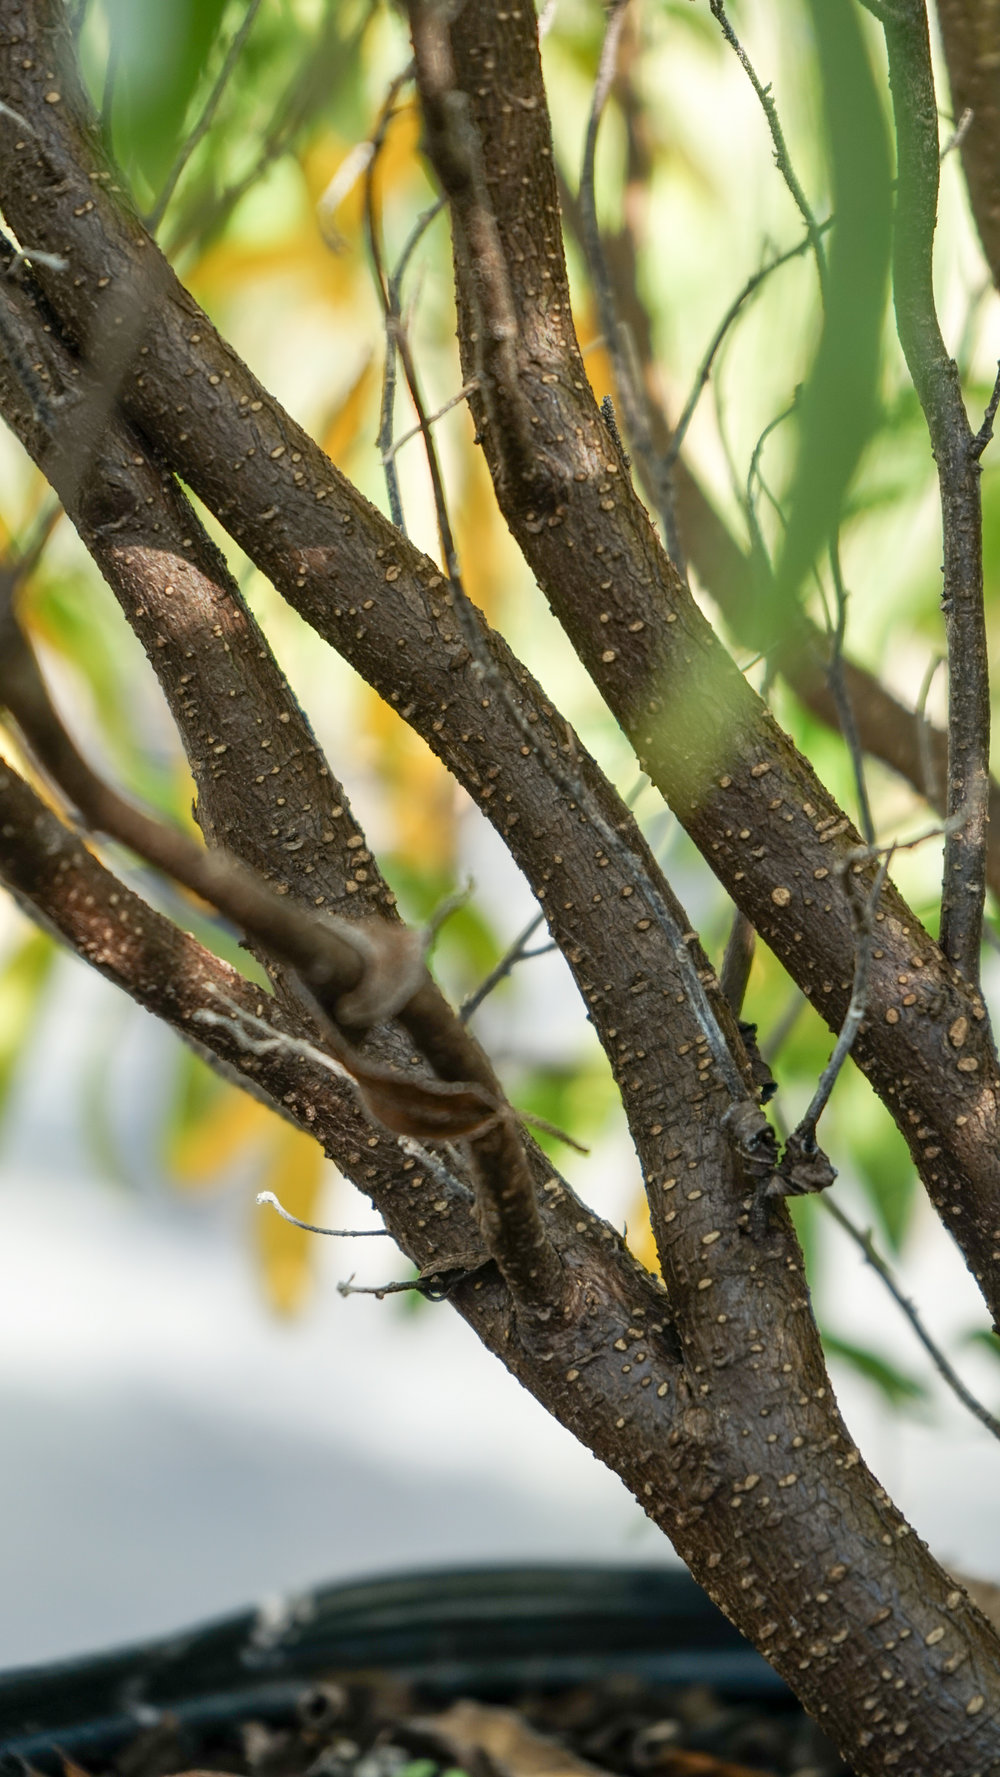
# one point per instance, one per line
(839, 410)
(22, 985)
(159, 54)
(894, 1383)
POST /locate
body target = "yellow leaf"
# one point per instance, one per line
(595, 354)
(485, 549)
(640, 1235)
(420, 792)
(343, 428)
(295, 1175)
(202, 1150)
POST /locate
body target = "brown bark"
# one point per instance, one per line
(708, 1394)
(729, 1437)
(771, 832)
(701, 732)
(970, 33)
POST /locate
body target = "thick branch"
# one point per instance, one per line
(770, 830)
(902, 738)
(359, 972)
(373, 597)
(613, 916)
(935, 377)
(760, 1504)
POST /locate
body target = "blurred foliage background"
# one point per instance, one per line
(243, 131)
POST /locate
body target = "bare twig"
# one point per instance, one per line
(956, 451)
(985, 433)
(312, 1228)
(863, 1239)
(511, 957)
(389, 290)
(738, 961)
(204, 123)
(735, 308)
(845, 708)
(390, 451)
(804, 1135)
(781, 155)
(654, 467)
(928, 769)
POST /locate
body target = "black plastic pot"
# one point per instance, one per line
(488, 1633)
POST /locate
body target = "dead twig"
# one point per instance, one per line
(862, 1239)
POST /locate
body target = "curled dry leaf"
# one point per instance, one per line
(429, 1110)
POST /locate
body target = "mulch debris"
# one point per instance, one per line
(380, 1727)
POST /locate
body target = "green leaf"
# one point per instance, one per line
(839, 406)
(985, 1338)
(895, 1384)
(881, 1160)
(23, 980)
(160, 52)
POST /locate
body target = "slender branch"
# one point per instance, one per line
(955, 449)
(511, 957)
(842, 697)
(781, 155)
(862, 1238)
(389, 290)
(804, 1134)
(656, 468)
(204, 123)
(313, 1228)
(732, 313)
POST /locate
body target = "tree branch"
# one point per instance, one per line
(969, 36)
(935, 377)
(736, 1505)
(650, 651)
(900, 737)
(699, 730)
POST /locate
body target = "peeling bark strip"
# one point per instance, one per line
(737, 1452)
(709, 1396)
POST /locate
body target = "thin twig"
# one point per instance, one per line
(928, 770)
(432, 418)
(313, 1228)
(200, 129)
(389, 289)
(863, 1239)
(985, 433)
(781, 155)
(865, 853)
(732, 313)
(804, 1135)
(511, 957)
(838, 687)
(654, 467)
(757, 542)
